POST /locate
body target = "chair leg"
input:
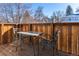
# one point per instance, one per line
(43, 47)
(38, 48)
(57, 51)
(53, 51)
(33, 46)
(16, 49)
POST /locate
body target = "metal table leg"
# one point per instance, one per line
(53, 51)
(20, 41)
(38, 46)
(33, 46)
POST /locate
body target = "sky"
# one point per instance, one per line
(49, 8)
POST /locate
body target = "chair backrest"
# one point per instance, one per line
(54, 37)
(15, 30)
(15, 36)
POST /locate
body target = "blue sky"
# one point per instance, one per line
(48, 8)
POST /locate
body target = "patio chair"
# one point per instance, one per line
(15, 42)
(50, 43)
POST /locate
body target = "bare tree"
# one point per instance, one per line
(20, 11)
(56, 17)
(13, 12)
(39, 13)
(4, 11)
(53, 17)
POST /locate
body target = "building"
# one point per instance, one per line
(71, 18)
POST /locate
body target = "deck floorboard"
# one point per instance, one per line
(8, 50)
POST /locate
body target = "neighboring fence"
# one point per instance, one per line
(68, 40)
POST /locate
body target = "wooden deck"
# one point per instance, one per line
(9, 50)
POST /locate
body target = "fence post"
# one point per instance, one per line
(30, 29)
(2, 32)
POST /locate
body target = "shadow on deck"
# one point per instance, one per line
(7, 50)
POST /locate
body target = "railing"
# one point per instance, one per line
(68, 40)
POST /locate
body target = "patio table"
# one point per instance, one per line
(31, 34)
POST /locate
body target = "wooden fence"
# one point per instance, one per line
(68, 40)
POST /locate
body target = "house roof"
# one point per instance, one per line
(71, 18)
